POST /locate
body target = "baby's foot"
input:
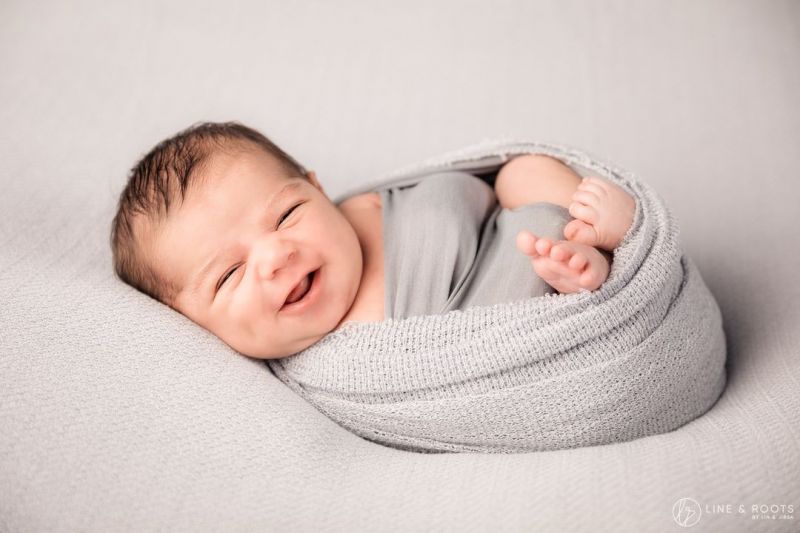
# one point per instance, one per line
(603, 214)
(566, 266)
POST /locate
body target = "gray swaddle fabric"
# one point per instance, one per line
(643, 354)
(448, 244)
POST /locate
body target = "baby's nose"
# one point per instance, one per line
(267, 268)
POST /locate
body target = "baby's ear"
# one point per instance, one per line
(312, 177)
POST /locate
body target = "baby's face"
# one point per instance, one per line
(259, 252)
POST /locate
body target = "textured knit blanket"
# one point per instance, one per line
(643, 354)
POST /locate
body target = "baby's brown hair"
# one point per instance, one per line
(169, 169)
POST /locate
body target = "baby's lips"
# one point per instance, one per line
(298, 291)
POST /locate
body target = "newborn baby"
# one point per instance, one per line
(223, 226)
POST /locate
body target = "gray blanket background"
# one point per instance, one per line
(641, 355)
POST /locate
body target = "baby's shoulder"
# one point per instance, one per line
(361, 201)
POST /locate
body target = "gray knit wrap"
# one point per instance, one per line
(643, 354)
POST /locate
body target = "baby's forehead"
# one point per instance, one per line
(243, 167)
(227, 189)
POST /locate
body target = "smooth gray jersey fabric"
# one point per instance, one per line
(448, 244)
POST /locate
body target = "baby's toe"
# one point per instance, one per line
(596, 180)
(591, 279)
(588, 280)
(583, 212)
(526, 242)
(586, 197)
(579, 231)
(572, 228)
(560, 252)
(578, 261)
(603, 187)
(543, 246)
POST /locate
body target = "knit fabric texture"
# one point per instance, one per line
(643, 354)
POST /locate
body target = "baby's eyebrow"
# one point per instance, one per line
(199, 279)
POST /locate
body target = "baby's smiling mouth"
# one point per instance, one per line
(300, 290)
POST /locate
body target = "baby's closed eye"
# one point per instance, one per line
(286, 214)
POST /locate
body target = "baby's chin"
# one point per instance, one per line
(263, 350)
(272, 353)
